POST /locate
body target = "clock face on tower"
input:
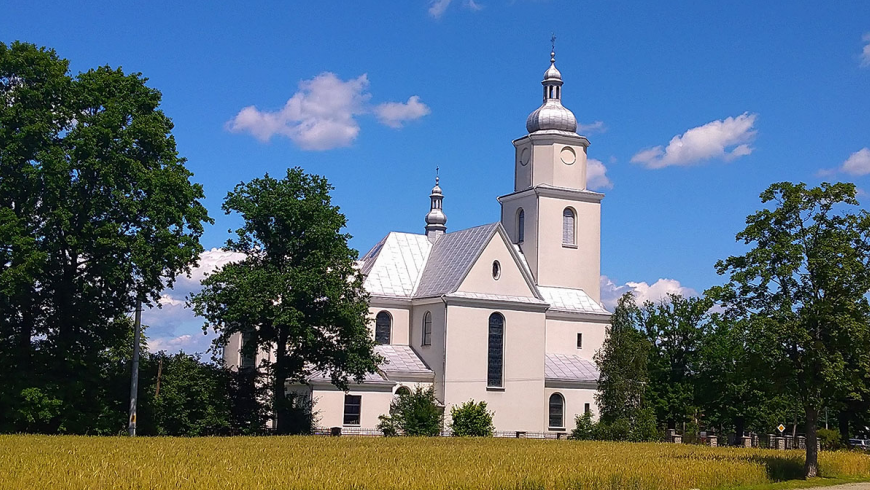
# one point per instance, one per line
(524, 156)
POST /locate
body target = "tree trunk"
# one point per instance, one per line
(282, 415)
(739, 429)
(811, 467)
(843, 424)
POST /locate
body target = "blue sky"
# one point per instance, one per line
(383, 92)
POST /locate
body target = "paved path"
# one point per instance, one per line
(847, 486)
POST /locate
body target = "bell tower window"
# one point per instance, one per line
(521, 226)
(569, 228)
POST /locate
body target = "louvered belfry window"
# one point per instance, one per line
(495, 365)
(427, 329)
(521, 226)
(568, 227)
(383, 325)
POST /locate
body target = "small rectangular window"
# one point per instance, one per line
(579, 340)
(352, 406)
(586, 408)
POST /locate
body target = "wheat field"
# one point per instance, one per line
(251, 463)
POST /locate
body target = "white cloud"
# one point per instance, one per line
(865, 54)
(473, 6)
(611, 292)
(857, 164)
(173, 326)
(712, 140)
(437, 8)
(321, 115)
(596, 175)
(188, 343)
(596, 127)
(395, 114)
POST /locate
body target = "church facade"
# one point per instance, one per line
(508, 313)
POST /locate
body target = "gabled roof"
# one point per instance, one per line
(570, 300)
(563, 368)
(393, 266)
(451, 258)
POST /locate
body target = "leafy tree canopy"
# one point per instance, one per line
(297, 292)
(802, 286)
(96, 207)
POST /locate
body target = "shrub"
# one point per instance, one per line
(471, 419)
(829, 439)
(583, 427)
(413, 414)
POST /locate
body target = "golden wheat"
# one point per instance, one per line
(251, 463)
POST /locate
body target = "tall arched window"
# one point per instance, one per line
(495, 359)
(427, 329)
(383, 327)
(557, 411)
(569, 229)
(521, 226)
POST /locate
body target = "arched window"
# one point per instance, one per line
(495, 364)
(383, 327)
(521, 226)
(427, 329)
(403, 390)
(557, 411)
(569, 229)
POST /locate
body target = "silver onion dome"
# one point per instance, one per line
(436, 219)
(552, 115)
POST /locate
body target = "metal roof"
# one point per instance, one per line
(393, 266)
(571, 300)
(563, 367)
(401, 359)
(451, 258)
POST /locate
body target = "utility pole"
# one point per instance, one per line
(134, 379)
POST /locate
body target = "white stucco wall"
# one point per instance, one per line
(329, 405)
(401, 319)
(562, 337)
(510, 282)
(521, 401)
(570, 266)
(575, 399)
(433, 354)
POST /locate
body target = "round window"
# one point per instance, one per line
(496, 270)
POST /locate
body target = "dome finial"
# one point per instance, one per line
(437, 179)
(553, 48)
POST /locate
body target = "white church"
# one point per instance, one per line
(508, 313)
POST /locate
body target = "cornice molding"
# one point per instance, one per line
(542, 190)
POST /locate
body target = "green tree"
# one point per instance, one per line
(675, 329)
(297, 292)
(413, 413)
(802, 287)
(96, 208)
(622, 364)
(471, 419)
(193, 398)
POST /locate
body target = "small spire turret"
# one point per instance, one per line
(436, 220)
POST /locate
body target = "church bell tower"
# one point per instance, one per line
(551, 215)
